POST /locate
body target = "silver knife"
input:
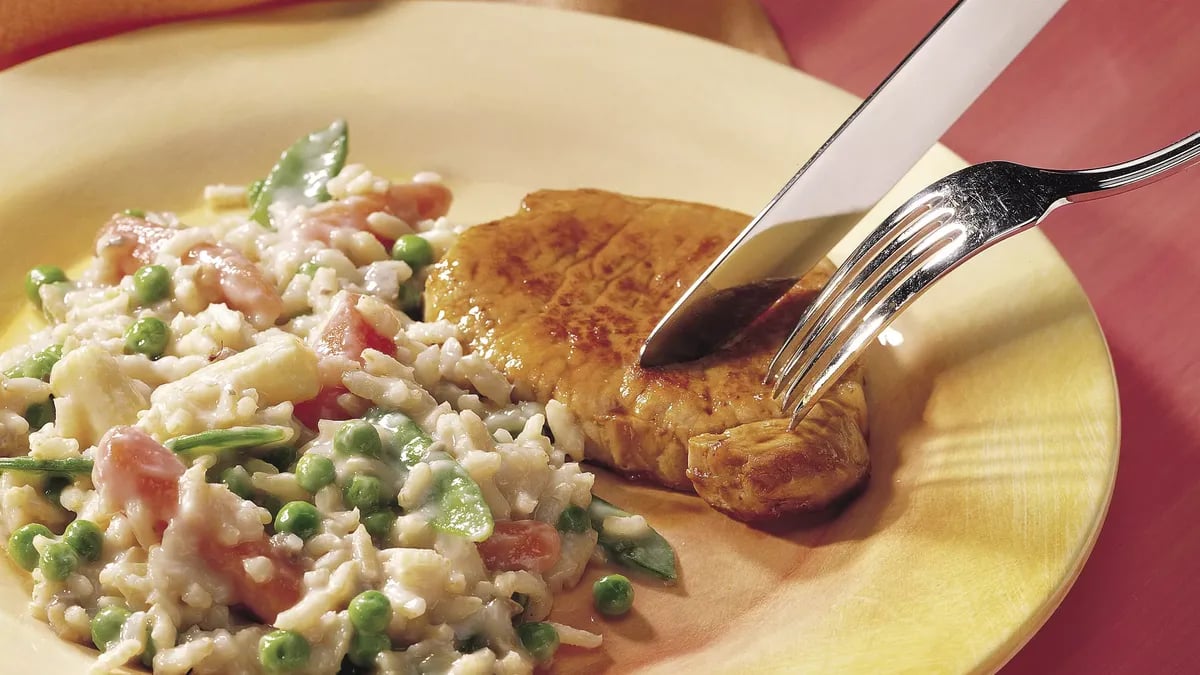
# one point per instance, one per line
(852, 171)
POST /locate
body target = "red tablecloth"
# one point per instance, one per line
(1106, 81)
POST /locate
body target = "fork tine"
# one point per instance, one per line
(891, 240)
(869, 248)
(938, 253)
(997, 199)
(879, 277)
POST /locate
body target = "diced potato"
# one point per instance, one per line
(282, 369)
(416, 579)
(92, 395)
(237, 391)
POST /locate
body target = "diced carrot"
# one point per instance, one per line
(324, 406)
(266, 599)
(521, 545)
(348, 333)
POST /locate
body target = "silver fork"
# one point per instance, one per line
(938, 229)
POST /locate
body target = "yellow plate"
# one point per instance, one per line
(993, 422)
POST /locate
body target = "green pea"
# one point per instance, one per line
(364, 647)
(370, 612)
(364, 493)
(455, 499)
(136, 213)
(151, 284)
(414, 250)
(147, 336)
(281, 651)
(308, 269)
(86, 538)
(379, 524)
(54, 487)
(299, 518)
(574, 519)
(37, 366)
(107, 625)
(58, 561)
(20, 545)
(40, 276)
(44, 361)
(539, 639)
(237, 479)
(40, 414)
(357, 437)
(314, 472)
(612, 595)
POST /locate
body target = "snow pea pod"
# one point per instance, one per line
(58, 466)
(216, 440)
(300, 176)
(455, 501)
(648, 551)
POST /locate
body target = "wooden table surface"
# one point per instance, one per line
(1106, 81)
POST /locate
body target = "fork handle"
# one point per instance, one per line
(1109, 180)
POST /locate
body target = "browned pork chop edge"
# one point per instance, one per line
(560, 297)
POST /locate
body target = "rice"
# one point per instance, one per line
(223, 367)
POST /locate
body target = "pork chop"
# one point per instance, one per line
(561, 295)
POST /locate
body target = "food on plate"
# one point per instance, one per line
(560, 297)
(231, 450)
(613, 594)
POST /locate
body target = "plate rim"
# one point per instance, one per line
(1002, 653)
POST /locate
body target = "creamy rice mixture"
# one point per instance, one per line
(202, 554)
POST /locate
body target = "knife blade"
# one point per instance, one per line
(867, 155)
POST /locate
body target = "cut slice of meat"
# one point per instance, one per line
(410, 202)
(127, 242)
(560, 297)
(239, 283)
